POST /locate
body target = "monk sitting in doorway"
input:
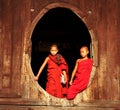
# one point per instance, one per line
(57, 67)
(81, 74)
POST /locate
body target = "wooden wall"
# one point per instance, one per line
(17, 20)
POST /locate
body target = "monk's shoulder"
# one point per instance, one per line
(47, 58)
(90, 59)
(78, 60)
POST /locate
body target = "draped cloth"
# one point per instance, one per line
(81, 78)
(56, 64)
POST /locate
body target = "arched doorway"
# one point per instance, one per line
(61, 26)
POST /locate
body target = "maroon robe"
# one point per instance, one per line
(55, 67)
(81, 78)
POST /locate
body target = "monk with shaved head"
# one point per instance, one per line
(81, 74)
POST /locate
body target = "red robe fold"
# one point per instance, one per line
(81, 78)
(54, 86)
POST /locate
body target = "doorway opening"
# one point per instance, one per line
(61, 26)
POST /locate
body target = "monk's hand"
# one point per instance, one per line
(70, 82)
(65, 79)
(36, 78)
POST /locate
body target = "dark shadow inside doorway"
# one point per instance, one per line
(61, 26)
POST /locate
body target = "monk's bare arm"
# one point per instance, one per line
(41, 68)
(74, 72)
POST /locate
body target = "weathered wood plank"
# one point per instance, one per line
(1, 45)
(112, 50)
(101, 34)
(6, 47)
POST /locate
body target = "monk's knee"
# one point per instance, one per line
(70, 94)
(69, 97)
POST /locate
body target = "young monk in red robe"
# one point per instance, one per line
(56, 66)
(80, 75)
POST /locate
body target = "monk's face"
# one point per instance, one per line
(84, 52)
(53, 50)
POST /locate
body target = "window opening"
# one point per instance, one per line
(61, 26)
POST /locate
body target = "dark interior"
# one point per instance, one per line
(61, 26)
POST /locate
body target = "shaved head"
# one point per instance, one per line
(85, 47)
